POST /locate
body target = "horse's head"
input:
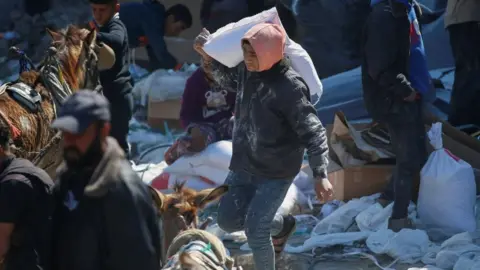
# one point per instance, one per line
(80, 57)
(178, 211)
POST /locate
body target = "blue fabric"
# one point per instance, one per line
(419, 75)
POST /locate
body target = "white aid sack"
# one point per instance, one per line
(165, 182)
(225, 46)
(212, 163)
(446, 202)
(216, 155)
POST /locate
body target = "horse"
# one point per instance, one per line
(28, 105)
(179, 229)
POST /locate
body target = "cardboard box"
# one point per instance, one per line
(161, 113)
(356, 182)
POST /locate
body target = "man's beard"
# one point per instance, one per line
(75, 160)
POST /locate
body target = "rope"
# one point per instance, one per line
(13, 129)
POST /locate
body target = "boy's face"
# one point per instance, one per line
(250, 57)
(174, 28)
(102, 13)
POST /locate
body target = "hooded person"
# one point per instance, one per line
(274, 124)
(396, 84)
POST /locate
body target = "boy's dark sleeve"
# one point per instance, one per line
(382, 48)
(114, 38)
(158, 48)
(294, 103)
(132, 236)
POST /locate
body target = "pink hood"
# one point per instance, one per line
(268, 42)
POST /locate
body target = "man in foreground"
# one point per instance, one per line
(104, 216)
(462, 20)
(394, 78)
(115, 81)
(26, 208)
(274, 123)
(148, 23)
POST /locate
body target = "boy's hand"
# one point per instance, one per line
(324, 189)
(200, 41)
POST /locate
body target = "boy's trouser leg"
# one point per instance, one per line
(251, 205)
(121, 112)
(407, 134)
(262, 221)
(234, 205)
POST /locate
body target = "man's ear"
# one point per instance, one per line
(54, 35)
(206, 196)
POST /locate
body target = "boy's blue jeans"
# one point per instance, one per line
(251, 205)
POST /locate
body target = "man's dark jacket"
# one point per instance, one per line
(108, 222)
(116, 80)
(31, 239)
(386, 50)
(274, 122)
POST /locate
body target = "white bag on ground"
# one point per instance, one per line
(225, 47)
(446, 203)
(165, 182)
(217, 155)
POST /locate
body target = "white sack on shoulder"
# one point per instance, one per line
(447, 197)
(225, 46)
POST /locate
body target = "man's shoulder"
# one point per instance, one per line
(127, 179)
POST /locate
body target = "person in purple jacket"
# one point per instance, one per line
(206, 115)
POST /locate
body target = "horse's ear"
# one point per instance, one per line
(206, 196)
(54, 35)
(158, 199)
(91, 38)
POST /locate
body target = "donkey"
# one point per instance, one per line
(28, 105)
(179, 227)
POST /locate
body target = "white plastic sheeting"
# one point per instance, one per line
(460, 252)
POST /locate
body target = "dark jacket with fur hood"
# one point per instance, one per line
(108, 222)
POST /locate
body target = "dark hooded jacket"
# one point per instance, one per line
(274, 119)
(385, 68)
(105, 219)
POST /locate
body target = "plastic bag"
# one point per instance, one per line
(340, 220)
(447, 197)
(225, 47)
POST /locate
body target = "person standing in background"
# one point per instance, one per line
(115, 81)
(395, 78)
(148, 23)
(462, 20)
